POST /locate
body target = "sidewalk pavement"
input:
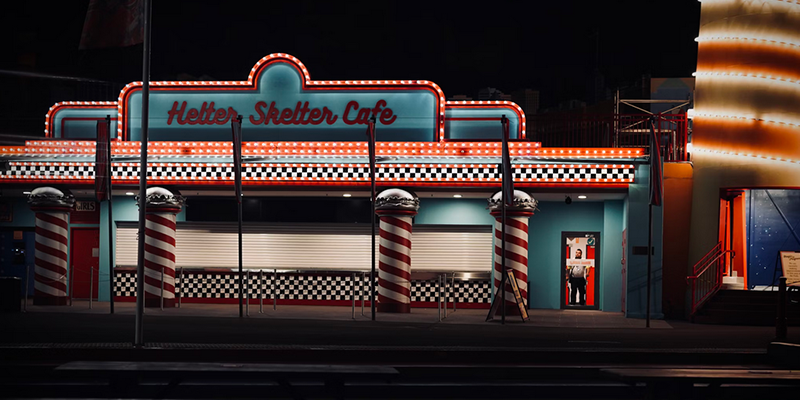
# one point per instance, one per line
(538, 318)
(335, 326)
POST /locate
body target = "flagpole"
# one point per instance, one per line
(110, 197)
(649, 259)
(372, 214)
(139, 334)
(503, 248)
(654, 152)
(237, 154)
(504, 191)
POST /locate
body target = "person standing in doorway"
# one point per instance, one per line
(577, 281)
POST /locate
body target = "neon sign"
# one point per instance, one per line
(281, 103)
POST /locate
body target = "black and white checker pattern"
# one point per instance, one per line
(208, 285)
(585, 172)
(199, 173)
(44, 170)
(477, 291)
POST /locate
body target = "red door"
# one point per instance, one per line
(581, 250)
(85, 254)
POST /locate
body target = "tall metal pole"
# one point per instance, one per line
(139, 335)
(241, 283)
(372, 204)
(732, 254)
(503, 250)
(649, 260)
(110, 221)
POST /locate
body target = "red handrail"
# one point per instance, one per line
(706, 278)
(703, 261)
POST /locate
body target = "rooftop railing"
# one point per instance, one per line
(611, 130)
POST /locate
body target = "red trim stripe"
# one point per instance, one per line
(515, 223)
(512, 239)
(384, 299)
(394, 288)
(170, 239)
(51, 235)
(52, 220)
(392, 270)
(159, 252)
(51, 251)
(50, 266)
(395, 238)
(512, 256)
(395, 255)
(398, 222)
(56, 284)
(158, 219)
(148, 280)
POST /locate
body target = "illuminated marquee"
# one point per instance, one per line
(279, 102)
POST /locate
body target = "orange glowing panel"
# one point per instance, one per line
(321, 150)
(748, 81)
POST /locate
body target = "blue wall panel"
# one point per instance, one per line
(637, 218)
(544, 246)
(611, 268)
(453, 212)
(768, 233)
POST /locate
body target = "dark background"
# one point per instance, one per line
(565, 49)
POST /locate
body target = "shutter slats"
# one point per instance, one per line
(314, 246)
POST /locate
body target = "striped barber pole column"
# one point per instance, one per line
(394, 275)
(159, 259)
(516, 255)
(52, 244)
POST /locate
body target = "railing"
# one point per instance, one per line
(611, 130)
(706, 278)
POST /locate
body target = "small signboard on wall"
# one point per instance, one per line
(86, 212)
(790, 261)
(85, 206)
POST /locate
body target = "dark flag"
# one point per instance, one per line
(508, 173)
(236, 126)
(656, 183)
(113, 23)
(371, 140)
(102, 161)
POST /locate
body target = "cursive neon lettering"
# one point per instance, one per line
(354, 106)
(176, 112)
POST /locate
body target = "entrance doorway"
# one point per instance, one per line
(85, 254)
(580, 266)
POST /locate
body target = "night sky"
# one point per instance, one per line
(545, 45)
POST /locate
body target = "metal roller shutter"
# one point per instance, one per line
(314, 246)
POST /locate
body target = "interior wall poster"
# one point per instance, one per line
(790, 263)
(580, 266)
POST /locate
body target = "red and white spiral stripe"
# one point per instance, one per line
(394, 276)
(52, 239)
(159, 255)
(516, 257)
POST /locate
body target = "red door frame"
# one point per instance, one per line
(596, 272)
(72, 261)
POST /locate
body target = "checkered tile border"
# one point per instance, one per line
(300, 287)
(325, 172)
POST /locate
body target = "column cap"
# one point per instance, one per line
(47, 197)
(160, 199)
(523, 202)
(396, 200)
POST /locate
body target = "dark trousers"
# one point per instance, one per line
(578, 285)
